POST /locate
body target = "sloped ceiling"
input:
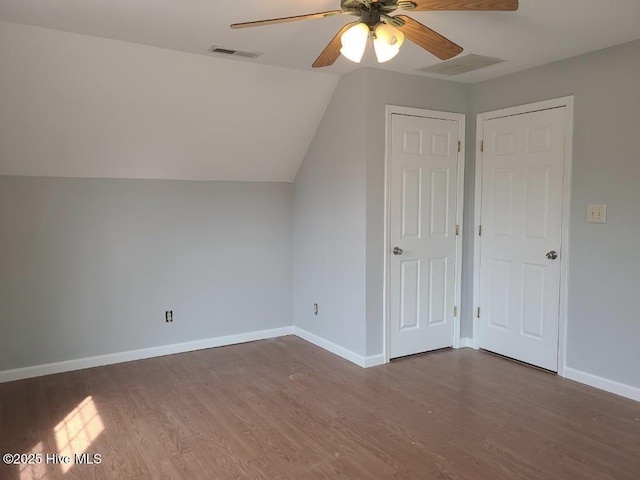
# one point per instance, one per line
(80, 106)
(541, 31)
(126, 89)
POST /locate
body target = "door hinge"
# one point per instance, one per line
(459, 146)
(478, 312)
(457, 230)
(455, 311)
(482, 145)
(480, 230)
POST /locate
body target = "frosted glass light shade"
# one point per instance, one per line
(387, 42)
(354, 41)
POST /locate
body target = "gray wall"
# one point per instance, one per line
(89, 266)
(603, 330)
(339, 205)
(329, 222)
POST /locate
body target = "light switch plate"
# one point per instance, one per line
(596, 213)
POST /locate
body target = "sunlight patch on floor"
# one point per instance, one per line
(77, 431)
(34, 471)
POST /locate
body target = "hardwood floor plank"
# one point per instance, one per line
(285, 409)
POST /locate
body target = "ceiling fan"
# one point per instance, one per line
(386, 31)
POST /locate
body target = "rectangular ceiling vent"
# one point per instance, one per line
(218, 50)
(462, 64)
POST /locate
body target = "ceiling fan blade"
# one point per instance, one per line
(273, 21)
(431, 41)
(332, 51)
(483, 5)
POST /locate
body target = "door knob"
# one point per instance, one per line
(552, 255)
(398, 251)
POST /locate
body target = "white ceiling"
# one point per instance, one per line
(541, 31)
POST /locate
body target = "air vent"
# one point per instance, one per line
(218, 50)
(463, 64)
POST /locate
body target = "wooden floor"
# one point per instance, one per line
(285, 409)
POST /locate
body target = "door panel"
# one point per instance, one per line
(409, 294)
(438, 291)
(536, 201)
(439, 215)
(502, 196)
(533, 282)
(411, 204)
(423, 202)
(521, 214)
(499, 290)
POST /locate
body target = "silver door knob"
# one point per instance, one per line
(552, 255)
(398, 251)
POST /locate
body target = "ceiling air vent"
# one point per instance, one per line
(216, 49)
(458, 65)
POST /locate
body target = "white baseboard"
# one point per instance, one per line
(602, 383)
(370, 361)
(362, 361)
(97, 361)
(373, 360)
(466, 342)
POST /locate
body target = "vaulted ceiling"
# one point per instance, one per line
(541, 31)
(87, 106)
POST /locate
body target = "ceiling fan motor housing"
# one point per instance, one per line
(387, 5)
(370, 18)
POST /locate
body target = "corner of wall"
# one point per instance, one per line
(329, 223)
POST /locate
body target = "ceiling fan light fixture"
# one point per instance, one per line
(384, 52)
(387, 41)
(351, 40)
(354, 41)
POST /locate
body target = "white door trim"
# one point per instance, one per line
(566, 102)
(420, 112)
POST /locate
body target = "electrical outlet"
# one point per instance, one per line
(596, 213)
(168, 316)
(315, 308)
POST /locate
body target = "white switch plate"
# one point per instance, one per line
(596, 213)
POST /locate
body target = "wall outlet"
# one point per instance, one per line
(596, 213)
(168, 316)
(315, 308)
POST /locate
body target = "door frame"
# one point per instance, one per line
(434, 114)
(566, 102)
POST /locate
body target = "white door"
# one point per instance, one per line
(423, 205)
(520, 236)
